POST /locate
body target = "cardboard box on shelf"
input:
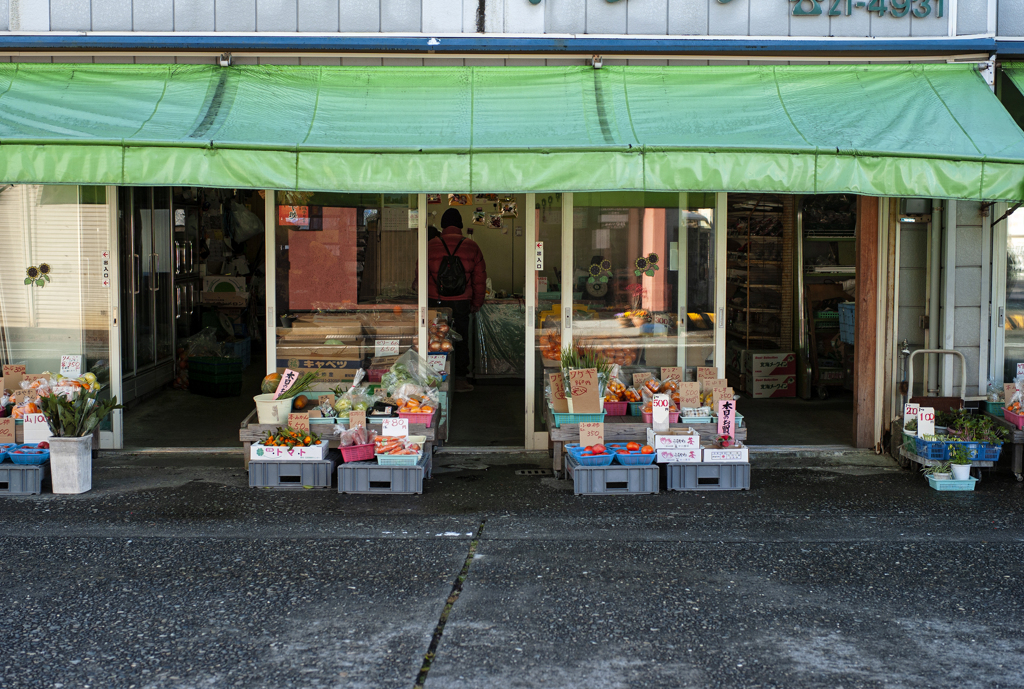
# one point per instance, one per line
(688, 455)
(237, 300)
(738, 453)
(759, 364)
(261, 451)
(673, 439)
(762, 387)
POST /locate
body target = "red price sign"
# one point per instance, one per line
(925, 421)
(396, 428)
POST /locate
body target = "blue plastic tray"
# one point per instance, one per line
(5, 448)
(29, 455)
(952, 484)
(576, 452)
(575, 418)
(930, 449)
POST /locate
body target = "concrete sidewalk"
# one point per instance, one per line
(852, 574)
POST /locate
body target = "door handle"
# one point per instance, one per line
(154, 283)
(136, 273)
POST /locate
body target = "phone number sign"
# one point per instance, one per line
(894, 8)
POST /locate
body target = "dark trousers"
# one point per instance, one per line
(460, 324)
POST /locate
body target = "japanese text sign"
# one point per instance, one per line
(925, 422)
(640, 377)
(7, 430)
(357, 419)
(288, 379)
(1020, 368)
(395, 428)
(910, 411)
(36, 428)
(299, 422)
(591, 433)
(538, 255)
(705, 373)
(71, 365)
(719, 394)
(583, 387)
(727, 418)
(326, 397)
(558, 402)
(385, 347)
(671, 373)
(660, 413)
(1009, 390)
(689, 395)
(13, 374)
(437, 362)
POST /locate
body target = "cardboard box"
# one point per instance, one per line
(236, 300)
(223, 283)
(673, 439)
(669, 456)
(759, 364)
(725, 454)
(762, 387)
(261, 451)
(332, 369)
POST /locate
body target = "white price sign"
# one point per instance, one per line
(925, 422)
(659, 407)
(437, 362)
(538, 255)
(36, 428)
(1020, 368)
(385, 347)
(910, 411)
(395, 428)
(71, 365)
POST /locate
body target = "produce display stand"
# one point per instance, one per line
(621, 429)
(909, 454)
(251, 432)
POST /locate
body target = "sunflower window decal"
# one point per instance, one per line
(646, 265)
(38, 275)
(599, 272)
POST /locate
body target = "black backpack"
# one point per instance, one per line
(451, 274)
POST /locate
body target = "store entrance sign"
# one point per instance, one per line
(105, 264)
(538, 255)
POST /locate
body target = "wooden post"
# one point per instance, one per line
(865, 327)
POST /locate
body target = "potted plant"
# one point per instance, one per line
(938, 471)
(72, 419)
(960, 462)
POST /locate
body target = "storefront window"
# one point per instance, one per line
(346, 281)
(634, 282)
(54, 290)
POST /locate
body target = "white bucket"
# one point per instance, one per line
(271, 411)
(71, 464)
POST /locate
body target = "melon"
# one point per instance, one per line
(270, 383)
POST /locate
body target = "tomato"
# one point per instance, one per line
(589, 448)
(43, 445)
(647, 450)
(587, 453)
(633, 447)
(600, 449)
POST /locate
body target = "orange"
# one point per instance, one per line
(300, 402)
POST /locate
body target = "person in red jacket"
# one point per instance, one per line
(458, 281)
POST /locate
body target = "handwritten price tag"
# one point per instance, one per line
(591, 433)
(689, 395)
(639, 378)
(385, 347)
(925, 422)
(910, 411)
(357, 419)
(36, 428)
(288, 379)
(71, 365)
(7, 430)
(13, 375)
(326, 397)
(1009, 390)
(437, 362)
(23, 396)
(583, 385)
(672, 373)
(719, 394)
(395, 428)
(299, 422)
(659, 417)
(705, 373)
(558, 401)
(1020, 368)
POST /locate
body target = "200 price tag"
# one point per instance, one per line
(395, 428)
(910, 411)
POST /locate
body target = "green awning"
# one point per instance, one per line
(892, 130)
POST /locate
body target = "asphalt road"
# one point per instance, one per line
(845, 576)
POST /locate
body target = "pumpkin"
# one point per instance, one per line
(270, 383)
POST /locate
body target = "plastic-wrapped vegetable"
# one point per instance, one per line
(410, 368)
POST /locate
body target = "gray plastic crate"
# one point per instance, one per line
(21, 479)
(369, 477)
(709, 476)
(291, 473)
(613, 479)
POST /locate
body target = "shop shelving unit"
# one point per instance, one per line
(827, 225)
(755, 296)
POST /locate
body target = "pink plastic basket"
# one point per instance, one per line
(357, 453)
(1016, 419)
(373, 375)
(673, 416)
(417, 417)
(616, 408)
